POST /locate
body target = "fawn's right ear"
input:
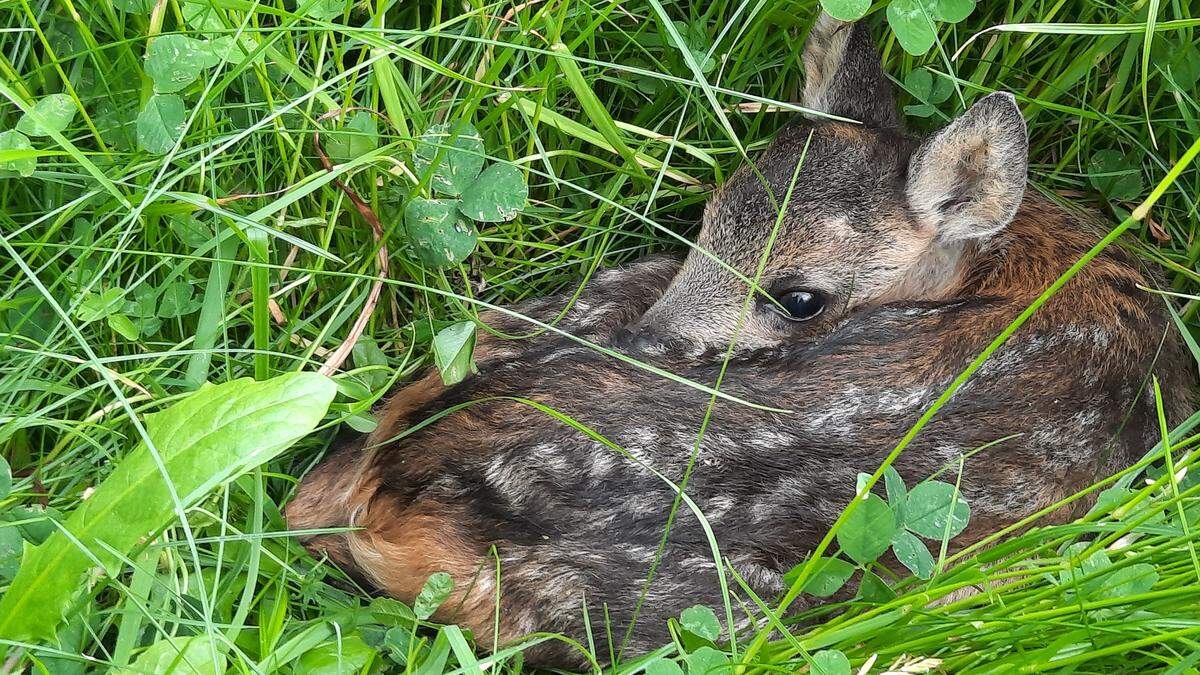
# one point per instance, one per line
(843, 75)
(967, 180)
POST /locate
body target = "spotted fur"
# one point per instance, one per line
(926, 279)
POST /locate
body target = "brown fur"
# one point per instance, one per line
(926, 249)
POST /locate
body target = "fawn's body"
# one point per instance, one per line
(575, 523)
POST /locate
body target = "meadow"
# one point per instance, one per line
(251, 192)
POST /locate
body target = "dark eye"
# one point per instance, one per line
(801, 305)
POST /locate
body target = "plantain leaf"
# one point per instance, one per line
(453, 348)
(204, 441)
(179, 656)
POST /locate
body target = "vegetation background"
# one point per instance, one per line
(166, 220)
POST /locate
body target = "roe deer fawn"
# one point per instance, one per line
(896, 262)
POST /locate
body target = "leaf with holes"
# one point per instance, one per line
(828, 577)
(358, 137)
(867, 533)
(175, 61)
(437, 235)
(830, 662)
(911, 21)
(913, 554)
(934, 511)
(160, 124)
(52, 114)
(846, 10)
(701, 621)
(453, 351)
(17, 155)
(1133, 580)
(455, 154)
(435, 591)
(497, 196)
(1116, 175)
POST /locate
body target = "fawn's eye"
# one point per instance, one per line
(801, 305)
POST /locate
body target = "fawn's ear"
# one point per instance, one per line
(843, 76)
(967, 180)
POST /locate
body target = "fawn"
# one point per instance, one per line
(896, 262)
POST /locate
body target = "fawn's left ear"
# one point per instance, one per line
(843, 75)
(967, 180)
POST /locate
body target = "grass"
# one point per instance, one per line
(252, 262)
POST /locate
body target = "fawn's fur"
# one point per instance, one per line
(924, 251)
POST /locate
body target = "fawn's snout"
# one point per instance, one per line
(837, 215)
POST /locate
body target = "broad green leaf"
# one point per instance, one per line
(701, 621)
(437, 234)
(873, 589)
(160, 123)
(124, 326)
(204, 441)
(497, 196)
(190, 231)
(340, 657)
(1079, 567)
(134, 6)
(6, 479)
(51, 114)
(175, 61)
(828, 577)
(11, 544)
(435, 591)
(323, 10)
(707, 661)
(359, 136)
(867, 533)
(1116, 175)
(661, 666)
(830, 662)
(453, 349)
(363, 422)
(367, 353)
(178, 299)
(1111, 500)
(913, 554)
(96, 306)
(22, 163)
(1133, 580)
(897, 494)
(952, 11)
(179, 656)
(935, 512)
(911, 22)
(846, 10)
(696, 41)
(460, 161)
(1180, 61)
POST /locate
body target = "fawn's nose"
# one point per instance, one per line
(646, 342)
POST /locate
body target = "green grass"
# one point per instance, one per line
(621, 142)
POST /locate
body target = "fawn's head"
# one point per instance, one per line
(873, 216)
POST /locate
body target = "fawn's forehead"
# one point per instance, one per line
(850, 183)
